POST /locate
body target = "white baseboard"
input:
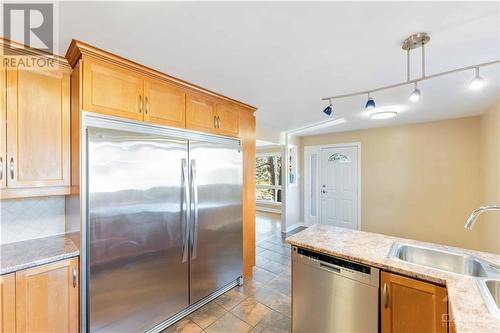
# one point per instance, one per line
(268, 209)
(295, 226)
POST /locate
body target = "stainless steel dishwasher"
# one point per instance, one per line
(330, 294)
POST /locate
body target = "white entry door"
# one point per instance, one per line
(339, 186)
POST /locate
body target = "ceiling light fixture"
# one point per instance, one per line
(328, 110)
(477, 82)
(415, 94)
(383, 115)
(412, 42)
(370, 103)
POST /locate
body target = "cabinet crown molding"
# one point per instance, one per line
(79, 50)
(17, 49)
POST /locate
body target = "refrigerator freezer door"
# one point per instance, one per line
(216, 216)
(137, 229)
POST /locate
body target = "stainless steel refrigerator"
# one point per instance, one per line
(164, 223)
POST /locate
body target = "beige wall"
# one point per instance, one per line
(489, 223)
(419, 181)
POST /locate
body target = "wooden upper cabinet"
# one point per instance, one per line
(3, 121)
(112, 90)
(165, 104)
(201, 113)
(8, 303)
(38, 128)
(409, 305)
(228, 122)
(47, 298)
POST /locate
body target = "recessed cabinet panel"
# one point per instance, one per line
(409, 305)
(47, 298)
(200, 113)
(165, 104)
(228, 119)
(8, 303)
(112, 90)
(38, 131)
(3, 122)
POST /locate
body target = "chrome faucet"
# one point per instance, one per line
(472, 218)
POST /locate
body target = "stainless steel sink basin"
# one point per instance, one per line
(486, 274)
(490, 289)
(439, 259)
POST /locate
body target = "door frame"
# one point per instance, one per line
(306, 190)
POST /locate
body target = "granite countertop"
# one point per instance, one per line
(467, 306)
(30, 253)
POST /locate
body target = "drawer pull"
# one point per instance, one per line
(74, 277)
(385, 296)
(147, 104)
(11, 167)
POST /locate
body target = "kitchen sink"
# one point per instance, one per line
(487, 275)
(490, 289)
(439, 259)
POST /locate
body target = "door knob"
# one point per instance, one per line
(324, 191)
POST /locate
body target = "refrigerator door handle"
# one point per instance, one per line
(194, 189)
(185, 211)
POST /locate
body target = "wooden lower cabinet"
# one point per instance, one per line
(47, 298)
(8, 303)
(409, 305)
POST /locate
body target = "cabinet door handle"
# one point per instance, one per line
(140, 104)
(74, 277)
(147, 104)
(11, 167)
(215, 121)
(385, 296)
(1, 168)
(218, 122)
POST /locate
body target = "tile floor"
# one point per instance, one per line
(262, 304)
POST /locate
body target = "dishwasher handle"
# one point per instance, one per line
(329, 267)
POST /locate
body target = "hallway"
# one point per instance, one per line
(262, 304)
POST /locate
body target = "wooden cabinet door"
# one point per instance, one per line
(38, 128)
(200, 113)
(409, 305)
(47, 298)
(112, 90)
(229, 119)
(8, 303)
(165, 103)
(3, 122)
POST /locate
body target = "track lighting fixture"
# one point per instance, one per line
(418, 40)
(328, 110)
(477, 82)
(415, 95)
(370, 103)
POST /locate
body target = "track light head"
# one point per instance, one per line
(329, 109)
(415, 94)
(370, 103)
(477, 82)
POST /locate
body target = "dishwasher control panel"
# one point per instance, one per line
(347, 268)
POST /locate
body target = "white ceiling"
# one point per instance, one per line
(283, 57)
